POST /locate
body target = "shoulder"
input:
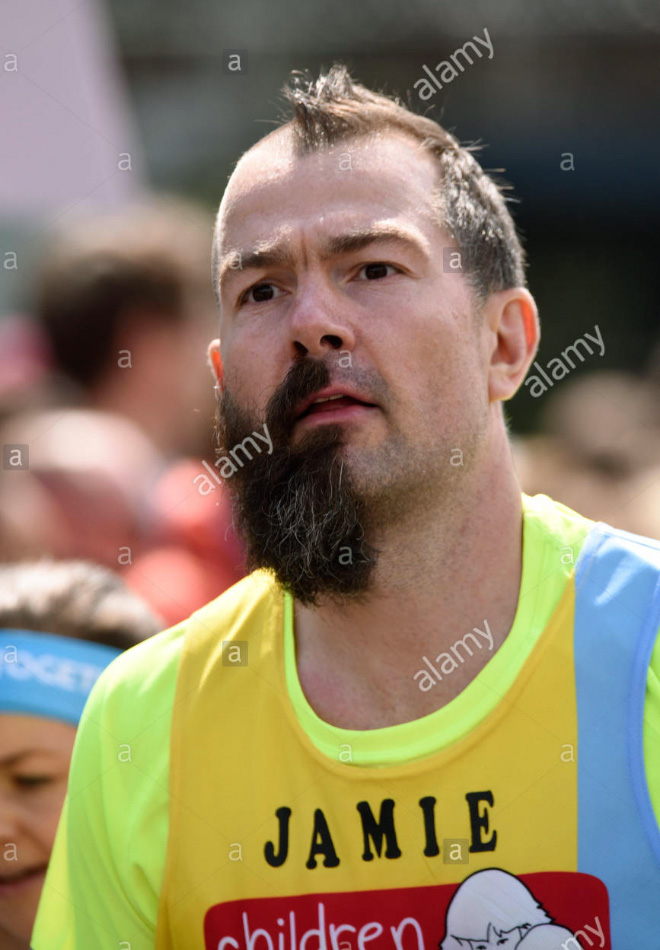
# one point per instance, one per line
(249, 611)
(144, 674)
(620, 554)
(554, 536)
(597, 542)
(256, 591)
(144, 677)
(557, 521)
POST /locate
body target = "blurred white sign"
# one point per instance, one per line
(69, 143)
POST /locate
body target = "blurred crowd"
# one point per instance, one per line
(106, 418)
(107, 408)
(597, 448)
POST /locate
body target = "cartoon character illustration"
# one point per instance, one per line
(492, 908)
(549, 937)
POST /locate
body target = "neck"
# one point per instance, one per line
(438, 577)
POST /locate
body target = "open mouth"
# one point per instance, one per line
(331, 403)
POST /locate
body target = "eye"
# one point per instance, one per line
(262, 293)
(32, 781)
(377, 270)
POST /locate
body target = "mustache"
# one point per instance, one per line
(232, 421)
(301, 381)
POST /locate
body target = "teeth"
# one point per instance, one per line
(328, 398)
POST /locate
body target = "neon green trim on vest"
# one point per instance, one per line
(552, 538)
(106, 871)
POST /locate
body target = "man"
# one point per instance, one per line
(427, 717)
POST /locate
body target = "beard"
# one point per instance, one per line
(297, 507)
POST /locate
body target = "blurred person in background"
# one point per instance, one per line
(84, 490)
(61, 624)
(95, 487)
(24, 366)
(195, 551)
(598, 450)
(126, 307)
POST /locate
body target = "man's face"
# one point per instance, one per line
(349, 293)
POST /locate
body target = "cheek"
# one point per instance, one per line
(44, 812)
(442, 376)
(254, 365)
(432, 363)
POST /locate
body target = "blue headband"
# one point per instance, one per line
(42, 674)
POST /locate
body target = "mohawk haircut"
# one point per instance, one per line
(470, 205)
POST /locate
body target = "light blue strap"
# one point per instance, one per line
(617, 616)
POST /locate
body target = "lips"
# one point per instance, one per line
(328, 399)
(11, 881)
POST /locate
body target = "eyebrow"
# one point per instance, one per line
(24, 754)
(278, 255)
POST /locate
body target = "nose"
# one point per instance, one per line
(318, 322)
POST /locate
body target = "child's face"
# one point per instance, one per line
(34, 762)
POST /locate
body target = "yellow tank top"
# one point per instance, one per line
(274, 845)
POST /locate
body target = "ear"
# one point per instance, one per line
(512, 325)
(215, 361)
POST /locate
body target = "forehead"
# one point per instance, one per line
(19, 734)
(273, 191)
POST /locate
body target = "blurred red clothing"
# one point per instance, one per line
(196, 554)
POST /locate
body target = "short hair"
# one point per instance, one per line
(74, 599)
(82, 305)
(471, 205)
(148, 260)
